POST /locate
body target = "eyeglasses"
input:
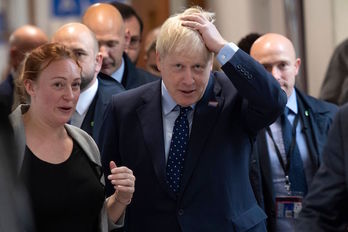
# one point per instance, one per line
(134, 42)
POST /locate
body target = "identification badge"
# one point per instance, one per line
(288, 206)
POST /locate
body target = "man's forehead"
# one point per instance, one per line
(133, 21)
(273, 60)
(271, 52)
(70, 35)
(76, 43)
(189, 58)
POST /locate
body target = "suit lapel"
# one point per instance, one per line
(129, 79)
(88, 121)
(309, 130)
(150, 117)
(267, 189)
(265, 162)
(205, 115)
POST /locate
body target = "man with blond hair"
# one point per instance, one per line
(188, 136)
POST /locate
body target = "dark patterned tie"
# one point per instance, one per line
(178, 150)
(297, 175)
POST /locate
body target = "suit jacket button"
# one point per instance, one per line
(181, 212)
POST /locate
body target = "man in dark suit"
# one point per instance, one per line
(21, 41)
(96, 88)
(188, 136)
(326, 205)
(281, 173)
(107, 24)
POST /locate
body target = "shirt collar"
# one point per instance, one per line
(292, 102)
(118, 74)
(168, 103)
(86, 98)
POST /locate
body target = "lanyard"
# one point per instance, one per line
(286, 166)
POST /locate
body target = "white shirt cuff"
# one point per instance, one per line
(226, 53)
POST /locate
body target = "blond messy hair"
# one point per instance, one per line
(175, 38)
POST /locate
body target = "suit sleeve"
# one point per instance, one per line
(265, 100)
(107, 144)
(325, 206)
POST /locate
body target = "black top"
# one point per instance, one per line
(66, 196)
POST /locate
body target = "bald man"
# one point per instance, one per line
(21, 41)
(113, 38)
(96, 88)
(286, 162)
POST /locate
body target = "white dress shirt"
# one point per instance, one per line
(118, 74)
(85, 100)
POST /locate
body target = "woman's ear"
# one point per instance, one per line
(29, 87)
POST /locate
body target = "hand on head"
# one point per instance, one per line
(123, 181)
(210, 35)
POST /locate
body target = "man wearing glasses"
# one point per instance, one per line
(135, 26)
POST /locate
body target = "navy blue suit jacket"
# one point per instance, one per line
(326, 205)
(93, 120)
(316, 117)
(134, 77)
(215, 193)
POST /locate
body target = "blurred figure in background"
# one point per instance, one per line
(135, 25)
(15, 212)
(21, 41)
(335, 85)
(107, 24)
(247, 41)
(150, 52)
(96, 87)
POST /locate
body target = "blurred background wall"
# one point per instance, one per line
(315, 26)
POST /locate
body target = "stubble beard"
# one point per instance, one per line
(86, 79)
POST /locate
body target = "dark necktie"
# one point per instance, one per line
(297, 176)
(178, 150)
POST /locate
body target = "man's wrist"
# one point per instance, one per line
(226, 53)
